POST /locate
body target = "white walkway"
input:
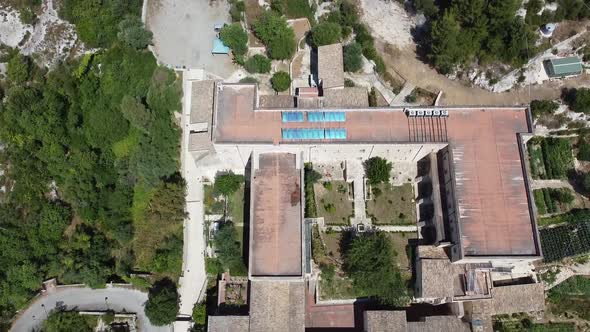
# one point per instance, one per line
(356, 172)
(192, 281)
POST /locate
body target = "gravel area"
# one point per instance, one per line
(183, 33)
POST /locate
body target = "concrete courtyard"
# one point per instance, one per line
(183, 33)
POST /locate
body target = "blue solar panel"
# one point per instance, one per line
(335, 133)
(302, 133)
(335, 116)
(292, 116)
(315, 116)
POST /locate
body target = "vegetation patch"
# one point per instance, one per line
(550, 157)
(392, 205)
(524, 323)
(310, 177)
(565, 241)
(333, 203)
(59, 321)
(573, 216)
(553, 200)
(571, 297)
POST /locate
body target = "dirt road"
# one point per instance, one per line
(406, 63)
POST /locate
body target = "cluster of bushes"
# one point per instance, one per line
(310, 177)
(540, 108)
(97, 21)
(352, 54)
(460, 32)
(571, 297)
(257, 64)
(578, 99)
(551, 157)
(573, 216)
(162, 304)
(326, 33)
(294, 9)
(552, 200)
(229, 252)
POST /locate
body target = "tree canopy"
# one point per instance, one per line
(369, 262)
(353, 60)
(228, 249)
(326, 33)
(276, 34)
(93, 152)
(464, 30)
(257, 64)
(162, 305)
(234, 36)
(377, 170)
(228, 183)
(280, 81)
(578, 99)
(133, 33)
(97, 21)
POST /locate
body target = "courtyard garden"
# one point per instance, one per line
(392, 205)
(333, 202)
(362, 265)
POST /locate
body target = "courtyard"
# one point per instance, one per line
(334, 202)
(392, 205)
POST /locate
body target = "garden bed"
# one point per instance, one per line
(333, 203)
(550, 157)
(392, 205)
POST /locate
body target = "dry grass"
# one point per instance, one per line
(393, 206)
(332, 202)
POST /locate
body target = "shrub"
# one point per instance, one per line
(280, 81)
(373, 97)
(353, 60)
(235, 38)
(578, 99)
(349, 83)
(249, 79)
(162, 305)
(257, 64)
(199, 315)
(377, 170)
(557, 157)
(228, 249)
(236, 10)
(326, 33)
(65, 321)
(543, 107)
(311, 176)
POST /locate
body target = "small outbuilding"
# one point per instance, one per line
(219, 47)
(564, 67)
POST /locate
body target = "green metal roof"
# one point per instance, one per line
(565, 66)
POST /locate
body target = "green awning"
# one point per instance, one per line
(565, 66)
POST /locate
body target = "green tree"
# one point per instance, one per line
(228, 183)
(276, 34)
(228, 249)
(135, 112)
(370, 263)
(18, 69)
(67, 321)
(445, 50)
(326, 33)
(234, 36)
(427, 7)
(257, 64)
(162, 305)
(377, 170)
(353, 60)
(133, 33)
(280, 81)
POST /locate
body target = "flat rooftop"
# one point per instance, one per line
(489, 189)
(277, 306)
(275, 245)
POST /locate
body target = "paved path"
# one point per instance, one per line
(400, 99)
(119, 299)
(538, 184)
(410, 228)
(193, 277)
(356, 173)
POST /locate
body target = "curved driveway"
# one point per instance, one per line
(119, 299)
